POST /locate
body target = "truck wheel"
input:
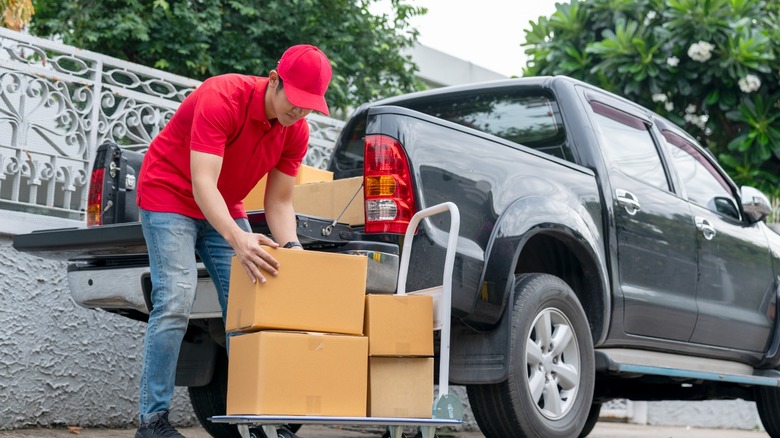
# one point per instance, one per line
(549, 387)
(593, 418)
(768, 404)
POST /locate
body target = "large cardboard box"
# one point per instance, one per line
(329, 199)
(399, 325)
(294, 373)
(400, 387)
(306, 175)
(313, 291)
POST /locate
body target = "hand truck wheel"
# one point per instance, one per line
(281, 432)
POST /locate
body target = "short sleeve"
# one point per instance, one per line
(295, 148)
(213, 119)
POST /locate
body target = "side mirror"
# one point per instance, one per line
(755, 204)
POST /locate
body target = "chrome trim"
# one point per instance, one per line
(122, 288)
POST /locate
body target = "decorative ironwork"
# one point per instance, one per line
(58, 103)
(323, 133)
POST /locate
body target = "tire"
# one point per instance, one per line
(211, 399)
(281, 432)
(285, 433)
(768, 405)
(593, 418)
(545, 310)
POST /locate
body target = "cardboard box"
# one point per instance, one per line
(400, 387)
(329, 199)
(314, 291)
(399, 325)
(306, 175)
(293, 373)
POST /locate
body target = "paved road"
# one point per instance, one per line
(602, 430)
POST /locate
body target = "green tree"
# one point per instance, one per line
(199, 39)
(711, 66)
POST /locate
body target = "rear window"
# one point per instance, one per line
(531, 119)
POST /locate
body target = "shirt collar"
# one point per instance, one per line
(257, 107)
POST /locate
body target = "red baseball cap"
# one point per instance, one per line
(306, 73)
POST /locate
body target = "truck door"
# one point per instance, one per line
(655, 234)
(736, 287)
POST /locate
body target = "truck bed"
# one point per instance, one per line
(127, 238)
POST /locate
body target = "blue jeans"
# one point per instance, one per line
(173, 240)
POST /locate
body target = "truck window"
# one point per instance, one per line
(529, 119)
(706, 187)
(629, 146)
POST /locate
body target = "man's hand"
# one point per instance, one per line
(205, 173)
(253, 258)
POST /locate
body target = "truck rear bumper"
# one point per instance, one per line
(119, 288)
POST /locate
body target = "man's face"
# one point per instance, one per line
(286, 113)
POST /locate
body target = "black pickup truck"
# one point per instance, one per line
(602, 254)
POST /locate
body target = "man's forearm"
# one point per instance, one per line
(214, 208)
(281, 220)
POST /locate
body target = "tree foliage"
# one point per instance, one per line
(711, 66)
(198, 39)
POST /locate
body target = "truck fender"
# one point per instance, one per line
(197, 358)
(485, 334)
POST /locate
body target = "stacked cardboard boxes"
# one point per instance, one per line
(400, 349)
(317, 194)
(302, 349)
(306, 175)
(328, 200)
(311, 342)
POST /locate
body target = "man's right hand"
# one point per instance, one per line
(253, 258)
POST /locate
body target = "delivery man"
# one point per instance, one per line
(226, 135)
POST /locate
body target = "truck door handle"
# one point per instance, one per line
(628, 201)
(706, 228)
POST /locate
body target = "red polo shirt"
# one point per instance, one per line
(224, 116)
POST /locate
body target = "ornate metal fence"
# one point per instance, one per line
(58, 103)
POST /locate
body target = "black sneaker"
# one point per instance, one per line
(158, 426)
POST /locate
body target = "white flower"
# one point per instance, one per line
(659, 97)
(749, 83)
(651, 15)
(690, 109)
(699, 121)
(669, 106)
(672, 61)
(701, 51)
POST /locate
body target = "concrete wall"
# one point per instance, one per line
(61, 364)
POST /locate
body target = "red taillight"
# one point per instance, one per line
(387, 186)
(95, 200)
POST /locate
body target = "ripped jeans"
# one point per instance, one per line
(173, 240)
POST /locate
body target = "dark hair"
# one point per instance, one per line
(281, 84)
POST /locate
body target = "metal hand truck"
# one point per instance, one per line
(447, 408)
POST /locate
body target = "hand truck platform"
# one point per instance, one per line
(269, 423)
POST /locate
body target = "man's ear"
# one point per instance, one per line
(273, 78)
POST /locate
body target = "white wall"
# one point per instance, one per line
(439, 69)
